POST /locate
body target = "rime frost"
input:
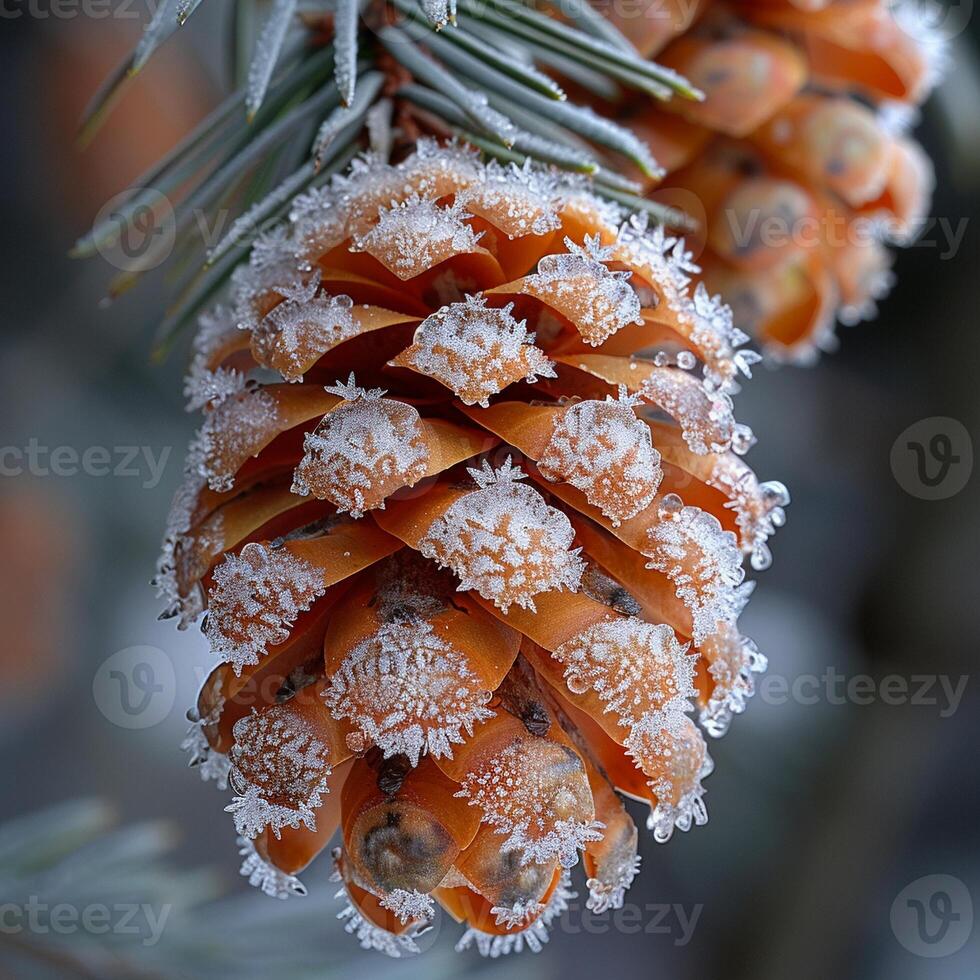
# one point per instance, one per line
(609, 892)
(521, 797)
(202, 386)
(265, 876)
(505, 541)
(633, 666)
(409, 905)
(732, 661)
(255, 599)
(408, 691)
(702, 561)
(417, 234)
(705, 417)
(671, 752)
(365, 449)
(475, 351)
(297, 331)
(518, 200)
(579, 285)
(533, 937)
(276, 757)
(604, 450)
(210, 764)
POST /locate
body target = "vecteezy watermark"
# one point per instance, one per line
(649, 919)
(39, 918)
(135, 687)
(34, 459)
(833, 687)
(933, 916)
(139, 230)
(933, 458)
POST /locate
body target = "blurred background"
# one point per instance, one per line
(837, 798)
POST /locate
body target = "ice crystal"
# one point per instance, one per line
(604, 450)
(633, 666)
(366, 448)
(702, 561)
(579, 285)
(276, 757)
(705, 417)
(413, 236)
(671, 752)
(231, 433)
(267, 50)
(524, 797)
(505, 541)
(408, 691)
(732, 661)
(210, 764)
(255, 599)
(518, 200)
(296, 332)
(759, 507)
(533, 937)
(409, 905)
(610, 892)
(265, 876)
(205, 387)
(475, 351)
(374, 937)
(319, 223)
(439, 12)
(517, 914)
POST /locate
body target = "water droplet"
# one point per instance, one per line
(576, 683)
(670, 507)
(686, 360)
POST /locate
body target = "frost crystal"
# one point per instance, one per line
(255, 599)
(295, 333)
(604, 450)
(210, 764)
(409, 905)
(705, 418)
(319, 222)
(202, 386)
(634, 667)
(235, 430)
(475, 351)
(610, 892)
(267, 877)
(362, 451)
(702, 561)
(408, 691)
(524, 797)
(579, 285)
(505, 541)
(276, 757)
(671, 752)
(759, 507)
(533, 937)
(732, 661)
(374, 937)
(518, 200)
(415, 235)
(517, 914)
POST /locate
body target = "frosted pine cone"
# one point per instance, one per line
(798, 160)
(469, 565)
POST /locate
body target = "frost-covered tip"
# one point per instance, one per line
(633, 666)
(477, 351)
(533, 937)
(265, 876)
(204, 387)
(365, 449)
(255, 598)
(604, 450)
(579, 284)
(519, 201)
(610, 893)
(702, 561)
(408, 691)
(732, 660)
(409, 905)
(413, 236)
(504, 540)
(212, 766)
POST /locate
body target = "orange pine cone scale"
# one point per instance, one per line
(463, 602)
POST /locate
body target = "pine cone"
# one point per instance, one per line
(466, 595)
(798, 160)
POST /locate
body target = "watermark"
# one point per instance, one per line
(673, 919)
(762, 228)
(129, 462)
(141, 10)
(39, 918)
(933, 458)
(933, 916)
(833, 687)
(929, 22)
(142, 229)
(136, 687)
